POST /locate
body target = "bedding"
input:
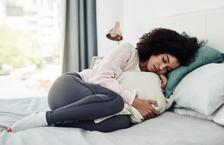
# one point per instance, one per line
(205, 55)
(201, 93)
(189, 112)
(202, 90)
(167, 129)
(147, 86)
(217, 117)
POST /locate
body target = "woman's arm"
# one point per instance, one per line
(111, 67)
(146, 107)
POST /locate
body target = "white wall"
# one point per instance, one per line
(108, 11)
(137, 16)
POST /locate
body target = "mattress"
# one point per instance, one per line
(167, 129)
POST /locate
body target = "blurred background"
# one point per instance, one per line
(41, 39)
(31, 42)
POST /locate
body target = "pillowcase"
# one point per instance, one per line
(147, 86)
(205, 55)
(217, 117)
(188, 112)
(202, 90)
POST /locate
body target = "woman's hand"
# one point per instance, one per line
(145, 107)
(163, 81)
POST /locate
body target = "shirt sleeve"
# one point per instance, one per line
(111, 67)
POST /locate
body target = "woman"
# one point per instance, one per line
(76, 99)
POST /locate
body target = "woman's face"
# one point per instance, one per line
(160, 64)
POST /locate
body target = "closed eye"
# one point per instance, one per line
(167, 59)
(164, 60)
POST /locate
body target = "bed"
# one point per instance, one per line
(170, 128)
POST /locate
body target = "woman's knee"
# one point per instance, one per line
(119, 103)
(65, 90)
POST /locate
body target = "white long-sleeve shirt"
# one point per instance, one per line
(124, 58)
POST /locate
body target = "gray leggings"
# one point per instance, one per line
(76, 103)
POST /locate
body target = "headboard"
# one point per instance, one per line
(205, 24)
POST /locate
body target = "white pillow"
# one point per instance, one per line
(202, 90)
(189, 112)
(217, 117)
(147, 86)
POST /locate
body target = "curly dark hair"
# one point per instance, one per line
(162, 40)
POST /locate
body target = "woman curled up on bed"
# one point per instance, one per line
(77, 99)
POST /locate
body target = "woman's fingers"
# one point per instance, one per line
(153, 102)
(154, 111)
(151, 112)
(146, 107)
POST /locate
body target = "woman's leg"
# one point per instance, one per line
(72, 99)
(89, 108)
(66, 89)
(95, 102)
(108, 125)
(69, 88)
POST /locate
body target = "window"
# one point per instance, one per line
(31, 42)
(14, 11)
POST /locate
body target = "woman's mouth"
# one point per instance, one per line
(155, 69)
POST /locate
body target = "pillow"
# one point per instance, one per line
(202, 90)
(217, 117)
(147, 86)
(205, 55)
(189, 112)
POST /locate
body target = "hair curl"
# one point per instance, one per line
(161, 40)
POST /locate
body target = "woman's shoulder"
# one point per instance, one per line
(123, 51)
(126, 48)
(127, 45)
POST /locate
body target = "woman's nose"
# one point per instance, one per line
(162, 66)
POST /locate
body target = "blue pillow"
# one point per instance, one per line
(205, 55)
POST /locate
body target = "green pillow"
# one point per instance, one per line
(204, 56)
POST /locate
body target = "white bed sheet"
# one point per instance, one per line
(167, 129)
